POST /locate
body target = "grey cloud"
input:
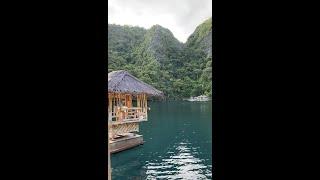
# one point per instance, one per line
(187, 14)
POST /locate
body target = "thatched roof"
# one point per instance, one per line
(124, 82)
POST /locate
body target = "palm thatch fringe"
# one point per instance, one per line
(123, 82)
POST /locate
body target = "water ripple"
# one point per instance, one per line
(178, 145)
(179, 163)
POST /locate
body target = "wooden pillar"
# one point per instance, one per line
(138, 105)
(114, 104)
(110, 107)
(138, 100)
(145, 103)
(118, 114)
(146, 107)
(141, 101)
(109, 160)
(129, 101)
(111, 101)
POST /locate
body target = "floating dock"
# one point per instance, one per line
(128, 141)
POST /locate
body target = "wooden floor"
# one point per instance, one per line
(126, 121)
(126, 142)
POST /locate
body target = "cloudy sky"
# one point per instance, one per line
(180, 16)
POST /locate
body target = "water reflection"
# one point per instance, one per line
(135, 165)
(181, 162)
(178, 143)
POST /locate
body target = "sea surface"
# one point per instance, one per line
(178, 144)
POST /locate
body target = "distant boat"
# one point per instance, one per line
(198, 98)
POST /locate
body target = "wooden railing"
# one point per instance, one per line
(134, 113)
(128, 114)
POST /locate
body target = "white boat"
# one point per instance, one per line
(199, 98)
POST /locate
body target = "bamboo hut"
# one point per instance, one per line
(127, 107)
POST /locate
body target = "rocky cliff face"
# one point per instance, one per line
(202, 37)
(160, 43)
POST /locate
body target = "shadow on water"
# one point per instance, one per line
(178, 144)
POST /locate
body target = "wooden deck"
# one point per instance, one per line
(130, 124)
(126, 142)
(127, 121)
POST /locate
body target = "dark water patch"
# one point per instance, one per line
(178, 144)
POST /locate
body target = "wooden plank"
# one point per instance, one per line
(136, 120)
(125, 143)
(134, 108)
(118, 129)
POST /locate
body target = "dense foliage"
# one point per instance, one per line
(158, 58)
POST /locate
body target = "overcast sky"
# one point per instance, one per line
(180, 16)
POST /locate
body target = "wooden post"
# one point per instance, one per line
(110, 107)
(109, 160)
(145, 103)
(147, 107)
(110, 104)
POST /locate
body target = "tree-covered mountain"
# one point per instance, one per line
(155, 56)
(160, 43)
(201, 38)
(122, 40)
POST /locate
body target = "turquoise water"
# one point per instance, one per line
(178, 144)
